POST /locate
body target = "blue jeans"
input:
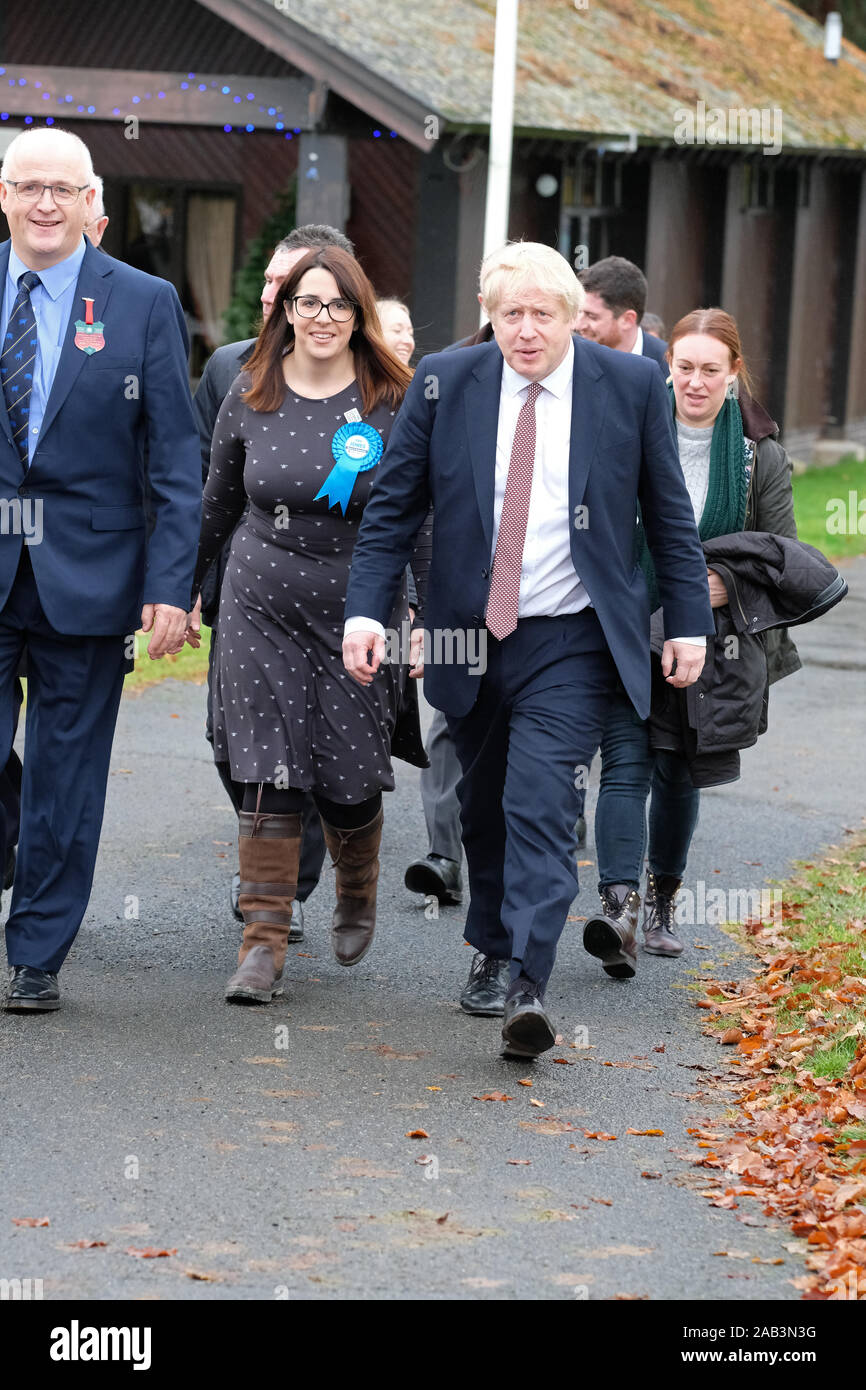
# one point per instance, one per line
(630, 771)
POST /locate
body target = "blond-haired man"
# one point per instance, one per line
(534, 450)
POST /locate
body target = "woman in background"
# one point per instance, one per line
(739, 479)
(397, 328)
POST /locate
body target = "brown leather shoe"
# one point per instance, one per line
(355, 856)
(269, 848)
(659, 937)
(256, 980)
(610, 934)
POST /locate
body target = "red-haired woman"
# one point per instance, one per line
(739, 479)
(299, 435)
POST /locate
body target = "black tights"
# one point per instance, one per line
(289, 801)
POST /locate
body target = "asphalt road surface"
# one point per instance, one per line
(268, 1146)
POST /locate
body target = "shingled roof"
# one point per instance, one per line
(616, 67)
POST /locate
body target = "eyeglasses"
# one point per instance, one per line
(309, 307)
(62, 193)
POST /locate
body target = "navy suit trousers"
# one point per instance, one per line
(73, 694)
(525, 748)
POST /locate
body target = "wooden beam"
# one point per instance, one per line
(171, 98)
(270, 25)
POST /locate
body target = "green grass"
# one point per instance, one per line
(189, 665)
(828, 898)
(812, 492)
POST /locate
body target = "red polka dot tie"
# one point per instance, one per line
(502, 603)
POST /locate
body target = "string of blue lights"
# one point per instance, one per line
(72, 107)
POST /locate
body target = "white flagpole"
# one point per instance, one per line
(501, 126)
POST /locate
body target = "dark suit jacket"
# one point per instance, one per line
(95, 566)
(224, 364)
(656, 349)
(442, 450)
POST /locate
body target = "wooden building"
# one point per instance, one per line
(715, 146)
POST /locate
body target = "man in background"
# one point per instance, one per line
(94, 227)
(615, 292)
(651, 323)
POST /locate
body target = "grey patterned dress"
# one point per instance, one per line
(284, 708)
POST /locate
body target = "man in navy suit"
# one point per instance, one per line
(94, 379)
(534, 451)
(615, 292)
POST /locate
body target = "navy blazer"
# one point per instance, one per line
(107, 413)
(442, 451)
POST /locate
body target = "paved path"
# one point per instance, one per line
(267, 1146)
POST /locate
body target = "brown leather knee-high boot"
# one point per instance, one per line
(355, 856)
(269, 848)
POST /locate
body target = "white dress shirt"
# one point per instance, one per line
(637, 349)
(549, 585)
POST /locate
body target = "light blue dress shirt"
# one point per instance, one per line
(52, 302)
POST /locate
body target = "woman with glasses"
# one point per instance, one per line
(299, 435)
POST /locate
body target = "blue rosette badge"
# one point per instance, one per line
(356, 447)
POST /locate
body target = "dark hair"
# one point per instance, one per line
(380, 375)
(620, 283)
(481, 335)
(716, 323)
(312, 237)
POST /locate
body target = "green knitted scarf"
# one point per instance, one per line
(725, 508)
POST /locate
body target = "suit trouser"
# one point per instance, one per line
(538, 719)
(73, 694)
(439, 791)
(10, 787)
(312, 836)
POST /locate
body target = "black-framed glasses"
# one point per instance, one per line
(62, 193)
(309, 306)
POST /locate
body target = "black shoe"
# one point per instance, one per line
(296, 930)
(610, 934)
(580, 831)
(234, 895)
(485, 989)
(31, 990)
(526, 1028)
(9, 876)
(437, 877)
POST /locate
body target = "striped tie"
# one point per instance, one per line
(504, 597)
(17, 361)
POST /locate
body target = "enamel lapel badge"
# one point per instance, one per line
(89, 336)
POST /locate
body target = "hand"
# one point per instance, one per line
(355, 649)
(416, 654)
(169, 627)
(718, 592)
(193, 625)
(689, 659)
